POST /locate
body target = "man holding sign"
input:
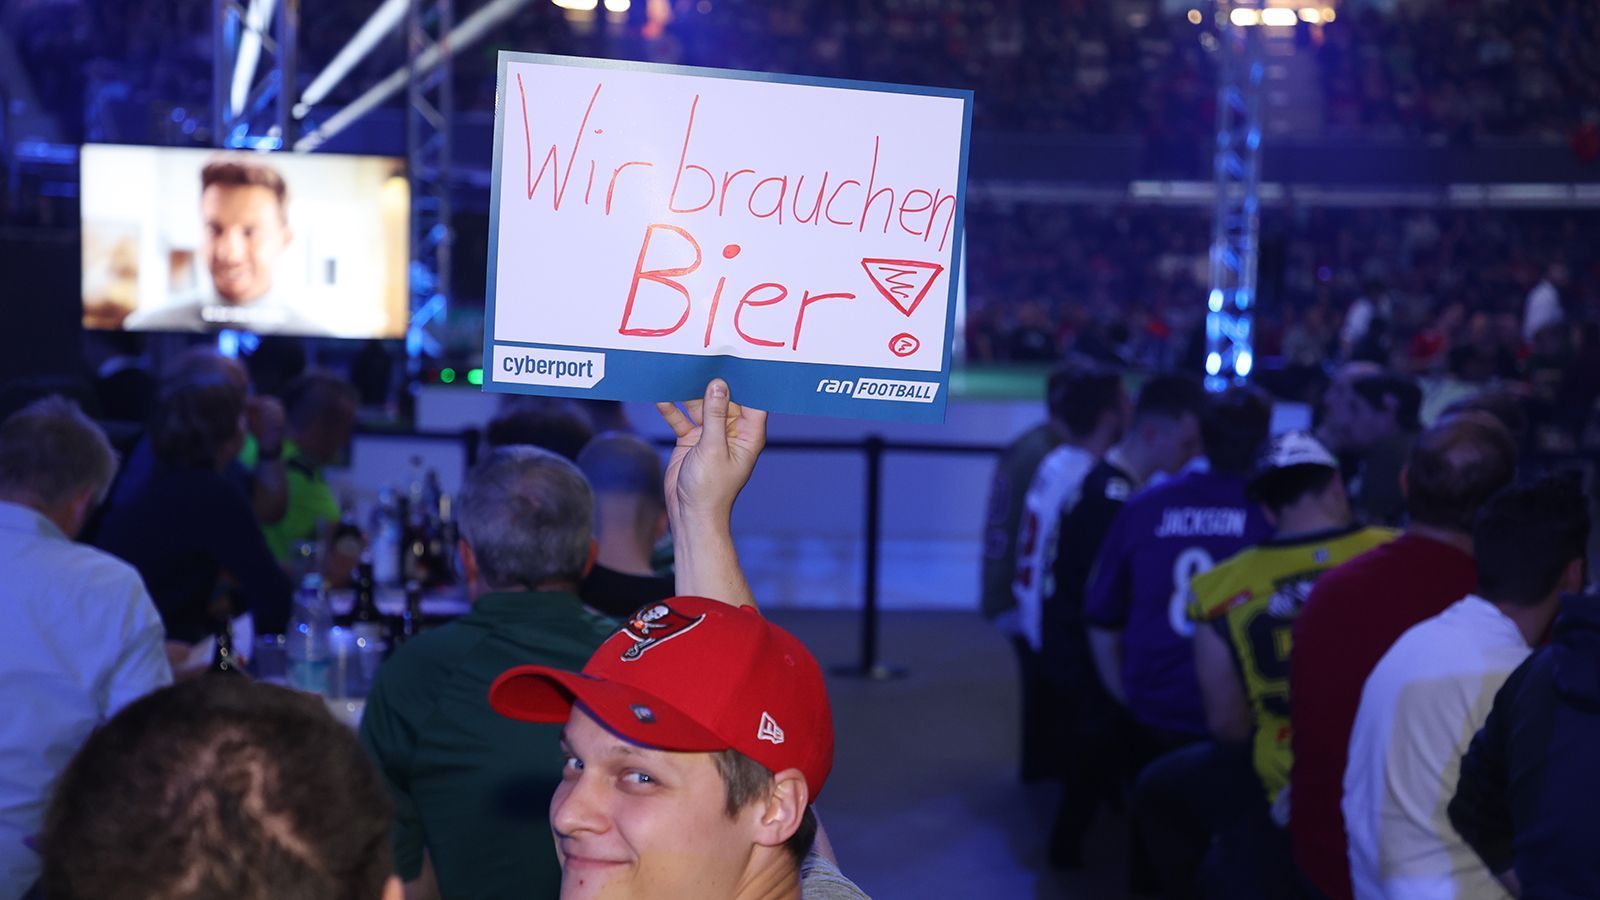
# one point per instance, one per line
(654, 225)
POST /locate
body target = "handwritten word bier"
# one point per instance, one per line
(661, 211)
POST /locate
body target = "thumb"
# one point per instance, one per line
(714, 414)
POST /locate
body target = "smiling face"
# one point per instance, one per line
(245, 232)
(630, 821)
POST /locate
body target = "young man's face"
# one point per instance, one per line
(630, 821)
(244, 235)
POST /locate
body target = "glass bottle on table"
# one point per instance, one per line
(411, 616)
(365, 620)
(224, 661)
(308, 647)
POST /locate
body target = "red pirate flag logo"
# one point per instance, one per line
(654, 624)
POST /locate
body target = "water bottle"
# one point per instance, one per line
(310, 623)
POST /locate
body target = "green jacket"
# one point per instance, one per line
(469, 785)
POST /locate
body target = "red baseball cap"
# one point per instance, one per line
(692, 675)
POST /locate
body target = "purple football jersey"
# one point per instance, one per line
(1161, 539)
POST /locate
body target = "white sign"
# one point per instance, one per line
(668, 224)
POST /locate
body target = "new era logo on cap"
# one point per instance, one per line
(769, 730)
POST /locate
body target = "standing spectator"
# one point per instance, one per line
(1163, 436)
(1007, 491)
(82, 638)
(1543, 309)
(630, 517)
(1359, 609)
(1245, 611)
(321, 411)
(1434, 688)
(184, 524)
(471, 788)
(220, 787)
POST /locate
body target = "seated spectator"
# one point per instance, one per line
(1382, 426)
(630, 517)
(220, 787)
(471, 787)
(321, 410)
(1245, 610)
(698, 737)
(1434, 688)
(1165, 536)
(185, 525)
(82, 638)
(1359, 609)
(1525, 798)
(548, 423)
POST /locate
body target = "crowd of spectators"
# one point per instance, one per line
(1237, 658)
(1427, 69)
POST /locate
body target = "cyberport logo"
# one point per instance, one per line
(881, 389)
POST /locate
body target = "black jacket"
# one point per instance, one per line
(1530, 783)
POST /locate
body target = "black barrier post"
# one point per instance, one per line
(870, 667)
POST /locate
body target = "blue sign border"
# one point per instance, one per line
(766, 384)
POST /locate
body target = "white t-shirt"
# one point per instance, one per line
(1421, 707)
(1056, 488)
(1542, 310)
(81, 640)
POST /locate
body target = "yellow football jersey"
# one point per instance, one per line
(1252, 599)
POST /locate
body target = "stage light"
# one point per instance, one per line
(1213, 364)
(1242, 363)
(1278, 17)
(579, 5)
(464, 35)
(617, 6)
(475, 377)
(1311, 14)
(256, 20)
(1244, 18)
(383, 21)
(1327, 14)
(447, 376)
(1194, 17)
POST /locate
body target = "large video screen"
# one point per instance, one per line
(180, 239)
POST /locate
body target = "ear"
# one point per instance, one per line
(594, 552)
(78, 508)
(1572, 578)
(469, 561)
(780, 814)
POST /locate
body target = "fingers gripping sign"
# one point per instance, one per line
(718, 444)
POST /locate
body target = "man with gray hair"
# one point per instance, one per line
(82, 638)
(472, 788)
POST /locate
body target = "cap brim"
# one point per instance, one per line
(543, 694)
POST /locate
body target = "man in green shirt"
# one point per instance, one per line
(321, 410)
(472, 789)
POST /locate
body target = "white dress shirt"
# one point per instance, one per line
(79, 639)
(1420, 708)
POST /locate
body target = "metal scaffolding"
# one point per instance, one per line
(1236, 222)
(430, 109)
(251, 97)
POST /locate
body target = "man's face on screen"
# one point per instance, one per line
(245, 233)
